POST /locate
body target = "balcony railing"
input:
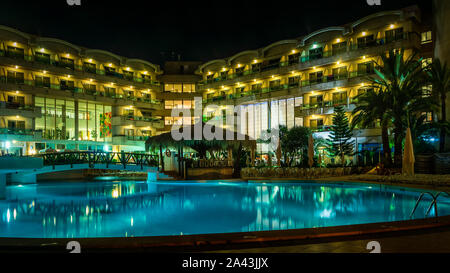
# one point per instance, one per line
(18, 131)
(308, 57)
(302, 84)
(78, 90)
(73, 66)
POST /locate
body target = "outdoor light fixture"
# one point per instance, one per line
(42, 50)
(90, 60)
(391, 26)
(145, 72)
(364, 33)
(45, 72)
(16, 67)
(17, 92)
(14, 44)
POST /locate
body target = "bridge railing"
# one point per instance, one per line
(94, 157)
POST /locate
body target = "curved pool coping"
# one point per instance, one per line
(237, 240)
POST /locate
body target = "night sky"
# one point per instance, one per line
(198, 31)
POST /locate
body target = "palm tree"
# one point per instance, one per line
(373, 107)
(401, 78)
(439, 77)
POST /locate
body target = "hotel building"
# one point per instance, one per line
(56, 95)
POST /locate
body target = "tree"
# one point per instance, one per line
(373, 107)
(439, 76)
(340, 135)
(402, 80)
(295, 142)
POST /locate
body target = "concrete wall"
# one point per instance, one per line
(20, 163)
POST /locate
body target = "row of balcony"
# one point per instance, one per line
(300, 84)
(73, 67)
(311, 57)
(87, 91)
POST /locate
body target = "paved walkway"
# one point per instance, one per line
(437, 241)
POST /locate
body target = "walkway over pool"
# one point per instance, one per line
(24, 169)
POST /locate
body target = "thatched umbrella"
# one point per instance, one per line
(230, 141)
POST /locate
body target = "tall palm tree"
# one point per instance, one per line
(439, 76)
(373, 107)
(401, 77)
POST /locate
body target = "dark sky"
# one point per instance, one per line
(195, 29)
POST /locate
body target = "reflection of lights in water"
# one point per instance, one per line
(15, 214)
(87, 210)
(132, 221)
(326, 213)
(71, 219)
(115, 193)
(275, 192)
(8, 216)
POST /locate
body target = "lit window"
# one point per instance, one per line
(427, 37)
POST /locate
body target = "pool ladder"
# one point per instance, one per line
(433, 203)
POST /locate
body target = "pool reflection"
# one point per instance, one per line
(129, 209)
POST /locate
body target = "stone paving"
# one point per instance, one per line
(437, 241)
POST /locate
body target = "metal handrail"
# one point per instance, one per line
(433, 203)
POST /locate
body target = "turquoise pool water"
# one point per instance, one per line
(134, 208)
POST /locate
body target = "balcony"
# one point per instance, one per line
(323, 83)
(137, 121)
(17, 109)
(323, 108)
(353, 51)
(44, 63)
(17, 134)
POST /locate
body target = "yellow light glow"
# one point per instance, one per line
(145, 72)
(391, 26)
(314, 67)
(131, 87)
(112, 83)
(14, 44)
(255, 61)
(364, 33)
(293, 51)
(254, 80)
(91, 80)
(339, 62)
(209, 72)
(338, 40)
(16, 67)
(273, 76)
(42, 50)
(364, 57)
(68, 76)
(67, 55)
(115, 193)
(45, 72)
(239, 65)
(17, 92)
(110, 65)
(17, 117)
(128, 69)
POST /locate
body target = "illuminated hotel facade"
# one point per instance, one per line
(56, 95)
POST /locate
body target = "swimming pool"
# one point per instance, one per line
(134, 208)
